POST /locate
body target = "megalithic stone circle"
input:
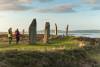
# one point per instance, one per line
(67, 28)
(56, 29)
(33, 32)
(46, 33)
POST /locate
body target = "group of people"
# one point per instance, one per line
(16, 35)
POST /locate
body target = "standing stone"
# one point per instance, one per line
(46, 32)
(23, 34)
(23, 31)
(56, 29)
(33, 32)
(67, 28)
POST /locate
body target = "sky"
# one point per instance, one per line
(78, 14)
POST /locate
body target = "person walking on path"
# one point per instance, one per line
(17, 36)
(10, 35)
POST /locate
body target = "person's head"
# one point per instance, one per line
(17, 29)
(10, 28)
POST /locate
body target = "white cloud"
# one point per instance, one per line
(25, 1)
(91, 1)
(43, 0)
(62, 8)
(12, 5)
(29, 1)
(93, 4)
(18, 4)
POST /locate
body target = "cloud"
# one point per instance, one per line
(25, 1)
(92, 4)
(91, 1)
(15, 5)
(12, 5)
(62, 8)
(43, 0)
(96, 8)
(30, 1)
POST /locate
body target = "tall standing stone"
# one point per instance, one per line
(23, 31)
(33, 32)
(67, 28)
(46, 32)
(56, 29)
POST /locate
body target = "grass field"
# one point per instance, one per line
(58, 53)
(66, 42)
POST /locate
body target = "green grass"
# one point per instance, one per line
(66, 42)
(48, 55)
(94, 53)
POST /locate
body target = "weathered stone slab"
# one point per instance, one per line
(67, 28)
(33, 32)
(56, 29)
(46, 32)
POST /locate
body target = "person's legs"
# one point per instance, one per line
(10, 40)
(17, 40)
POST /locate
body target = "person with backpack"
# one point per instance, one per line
(17, 36)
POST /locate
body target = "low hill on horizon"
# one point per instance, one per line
(73, 31)
(62, 31)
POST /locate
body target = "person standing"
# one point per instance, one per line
(17, 36)
(10, 35)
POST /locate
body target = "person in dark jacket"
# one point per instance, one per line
(17, 36)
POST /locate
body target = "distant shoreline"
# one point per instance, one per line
(77, 34)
